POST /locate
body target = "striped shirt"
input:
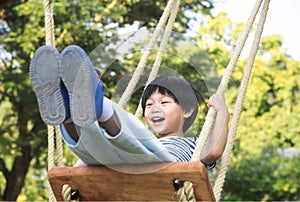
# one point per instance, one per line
(182, 148)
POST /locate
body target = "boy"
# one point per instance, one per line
(98, 131)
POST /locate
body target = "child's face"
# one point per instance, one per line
(164, 115)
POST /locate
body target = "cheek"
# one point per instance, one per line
(146, 115)
(175, 116)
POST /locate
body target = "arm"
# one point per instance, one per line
(217, 139)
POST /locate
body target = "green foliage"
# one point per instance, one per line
(271, 112)
(269, 120)
(85, 23)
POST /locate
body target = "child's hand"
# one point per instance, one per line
(217, 139)
(217, 102)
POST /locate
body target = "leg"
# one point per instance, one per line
(72, 130)
(110, 123)
(134, 143)
(112, 126)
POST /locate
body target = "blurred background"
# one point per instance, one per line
(265, 159)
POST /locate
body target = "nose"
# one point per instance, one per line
(155, 109)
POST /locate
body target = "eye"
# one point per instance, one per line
(166, 101)
(149, 104)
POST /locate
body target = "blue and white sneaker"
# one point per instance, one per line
(45, 78)
(85, 89)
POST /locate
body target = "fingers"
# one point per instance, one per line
(217, 102)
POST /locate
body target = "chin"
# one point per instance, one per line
(163, 135)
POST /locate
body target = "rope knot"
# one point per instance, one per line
(184, 190)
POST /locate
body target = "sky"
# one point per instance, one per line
(282, 19)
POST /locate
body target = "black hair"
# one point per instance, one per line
(181, 90)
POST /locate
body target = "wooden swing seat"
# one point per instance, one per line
(103, 183)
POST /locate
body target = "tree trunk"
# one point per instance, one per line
(16, 177)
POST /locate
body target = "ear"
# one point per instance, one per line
(187, 114)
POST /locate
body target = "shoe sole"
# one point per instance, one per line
(79, 77)
(45, 79)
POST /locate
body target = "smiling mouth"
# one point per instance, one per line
(157, 119)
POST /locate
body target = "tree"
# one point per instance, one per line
(270, 113)
(86, 23)
(267, 145)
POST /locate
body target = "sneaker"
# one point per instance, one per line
(83, 85)
(45, 79)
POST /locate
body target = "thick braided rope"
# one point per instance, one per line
(210, 117)
(142, 63)
(186, 192)
(50, 156)
(239, 103)
(161, 50)
(49, 22)
(66, 189)
(66, 192)
(50, 40)
(59, 147)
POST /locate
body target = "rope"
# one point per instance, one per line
(186, 192)
(59, 147)
(142, 63)
(210, 117)
(50, 40)
(50, 156)
(66, 189)
(239, 103)
(66, 192)
(161, 51)
(49, 22)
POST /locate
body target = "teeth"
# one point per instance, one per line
(156, 119)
